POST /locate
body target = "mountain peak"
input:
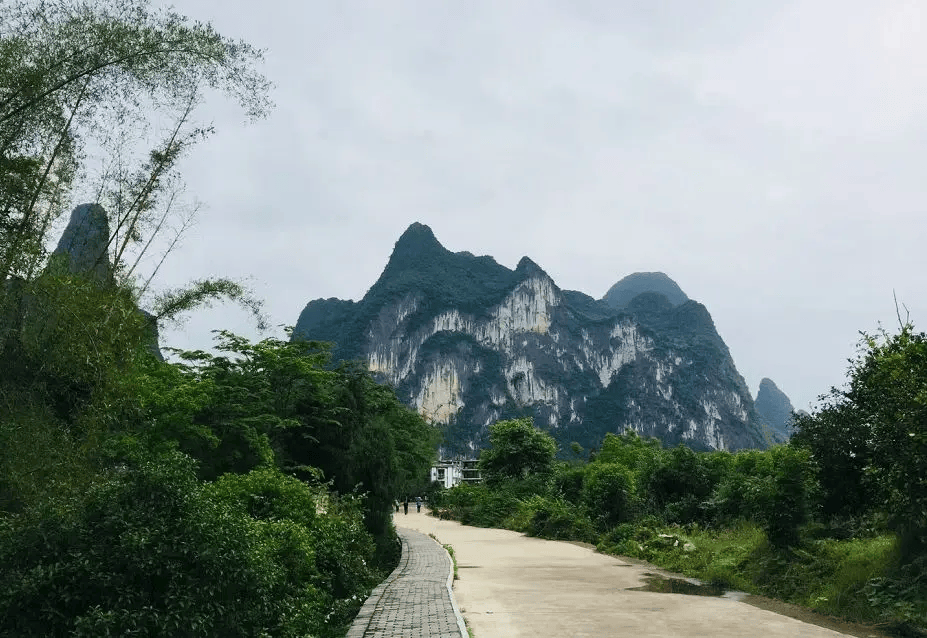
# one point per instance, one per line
(621, 294)
(526, 268)
(415, 243)
(418, 235)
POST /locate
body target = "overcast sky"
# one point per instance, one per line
(769, 156)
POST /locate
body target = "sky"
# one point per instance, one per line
(769, 156)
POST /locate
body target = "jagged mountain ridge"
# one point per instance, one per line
(467, 341)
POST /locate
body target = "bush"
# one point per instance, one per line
(517, 450)
(608, 494)
(341, 549)
(143, 553)
(681, 484)
(568, 482)
(150, 551)
(554, 519)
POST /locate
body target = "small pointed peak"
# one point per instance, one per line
(415, 242)
(418, 231)
(527, 268)
(83, 244)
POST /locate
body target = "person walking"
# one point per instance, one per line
(405, 506)
(418, 504)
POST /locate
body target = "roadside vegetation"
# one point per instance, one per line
(245, 492)
(835, 520)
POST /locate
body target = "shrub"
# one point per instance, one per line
(682, 482)
(148, 550)
(608, 494)
(568, 482)
(144, 553)
(555, 519)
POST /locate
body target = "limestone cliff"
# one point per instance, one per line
(467, 341)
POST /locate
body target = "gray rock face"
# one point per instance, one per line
(621, 294)
(774, 409)
(466, 342)
(84, 243)
(83, 251)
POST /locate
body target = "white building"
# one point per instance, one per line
(451, 473)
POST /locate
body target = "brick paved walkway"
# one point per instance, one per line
(416, 600)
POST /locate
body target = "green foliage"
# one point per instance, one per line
(555, 519)
(631, 450)
(839, 442)
(870, 440)
(775, 488)
(143, 552)
(278, 402)
(101, 71)
(609, 494)
(680, 483)
(901, 595)
(518, 450)
(568, 481)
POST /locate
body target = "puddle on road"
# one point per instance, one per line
(691, 587)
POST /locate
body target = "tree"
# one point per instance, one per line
(840, 443)
(609, 494)
(875, 432)
(79, 74)
(74, 72)
(517, 450)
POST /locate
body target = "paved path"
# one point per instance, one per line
(511, 585)
(416, 600)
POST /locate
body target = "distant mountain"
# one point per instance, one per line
(467, 342)
(774, 409)
(621, 294)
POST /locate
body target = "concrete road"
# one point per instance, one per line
(511, 585)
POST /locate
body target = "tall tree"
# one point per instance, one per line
(875, 431)
(73, 72)
(517, 450)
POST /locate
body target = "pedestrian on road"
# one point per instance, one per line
(405, 506)
(396, 503)
(418, 504)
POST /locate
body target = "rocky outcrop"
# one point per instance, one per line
(467, 342)
(774, 409)
(83, 245)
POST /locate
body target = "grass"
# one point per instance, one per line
(858, 579)
(450, 550)
(826, 575)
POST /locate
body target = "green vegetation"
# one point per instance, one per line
(244, 493)
(834, 521)
(450, 550)
(226, 495)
